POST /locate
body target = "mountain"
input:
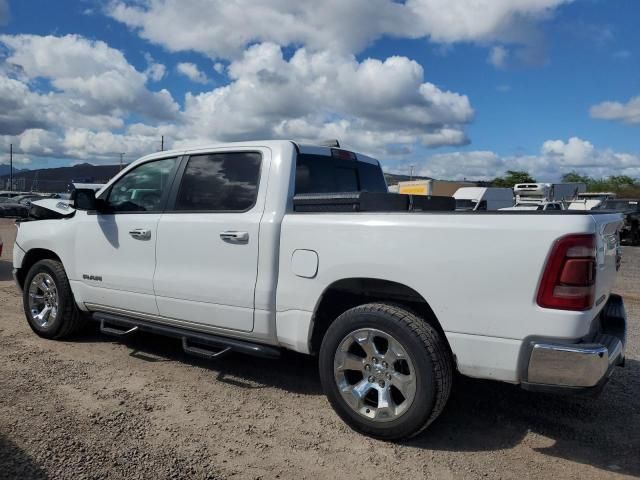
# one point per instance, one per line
(53, 180)
(4, 170)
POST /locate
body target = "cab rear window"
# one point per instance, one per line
(324, 174)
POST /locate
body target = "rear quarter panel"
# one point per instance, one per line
(478, 272)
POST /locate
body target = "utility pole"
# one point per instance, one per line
(11, 167)
(411, 173)
(162, 143)
(121, 157)
(34, 184)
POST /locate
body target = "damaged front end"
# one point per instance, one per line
(49, 209)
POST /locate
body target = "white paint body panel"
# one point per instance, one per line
(496, 198)
(478, 272)
(125, 265)
(211, 281)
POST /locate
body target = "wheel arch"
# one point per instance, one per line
(347, 293)
(31, 257)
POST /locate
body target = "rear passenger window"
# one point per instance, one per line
(220, 182)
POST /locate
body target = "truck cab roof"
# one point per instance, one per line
(309, 148)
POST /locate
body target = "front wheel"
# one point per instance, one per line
(48, 301)
(386, 372)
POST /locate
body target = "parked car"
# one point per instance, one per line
(13, 209)
(483, 198)
(18, 206)
(28, 198)
(242, 250)
(630, 208)
(590, 200)
(542, 206)
(547, 192)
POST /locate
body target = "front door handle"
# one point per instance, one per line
(233, 236)
(140, 234)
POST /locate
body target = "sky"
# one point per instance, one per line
(455, 88)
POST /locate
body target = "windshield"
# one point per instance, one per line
(465, 204)
(621, 205)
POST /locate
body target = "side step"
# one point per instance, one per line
(199, 344)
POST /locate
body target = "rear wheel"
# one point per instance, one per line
(48, 302)
(385, 371)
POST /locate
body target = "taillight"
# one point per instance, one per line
(568, 281)
(343, 154)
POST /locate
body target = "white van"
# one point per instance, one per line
(483, 198)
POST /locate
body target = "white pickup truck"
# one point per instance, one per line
(262, 246)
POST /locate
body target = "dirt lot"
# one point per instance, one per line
(99, 408)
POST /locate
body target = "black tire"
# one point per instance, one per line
(431, 360)
(69, 319)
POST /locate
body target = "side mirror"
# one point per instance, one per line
(84, 199)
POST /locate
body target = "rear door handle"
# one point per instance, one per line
(233, 236)
(140, 234)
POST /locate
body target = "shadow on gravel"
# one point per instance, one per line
(481, 415)
(15, 463)
(599, 431)
(292, 372)
(5, 270)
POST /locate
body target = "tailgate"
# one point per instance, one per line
(608, 254)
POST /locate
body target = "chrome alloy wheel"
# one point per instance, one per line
(375, 374)
(43, 299)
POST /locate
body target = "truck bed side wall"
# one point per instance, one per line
(478, 273)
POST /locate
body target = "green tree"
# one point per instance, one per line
(511, 177)
(622, 180)
(575, 177)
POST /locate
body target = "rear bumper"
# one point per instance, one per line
(582, 366)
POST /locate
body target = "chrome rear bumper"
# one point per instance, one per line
(586, 364)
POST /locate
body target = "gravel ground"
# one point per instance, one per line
(98, 408)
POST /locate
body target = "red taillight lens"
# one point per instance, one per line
(568, 281)
(343, 154)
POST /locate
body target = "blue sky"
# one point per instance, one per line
(547, 86)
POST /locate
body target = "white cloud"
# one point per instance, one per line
(154, 71)
(18, 107)
(93, 75)
(373, 105)
(498, 56)
(224, 28)
(623, 112)
(219, 68)
(84, 143)
(315, 95)
(556, 157)
(575, 151)
(94, 90)
(192, 72)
